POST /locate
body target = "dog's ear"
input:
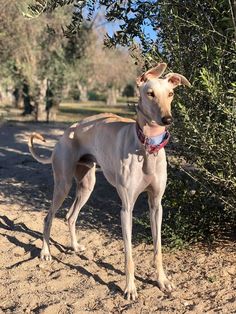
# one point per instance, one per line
(177, 79)
(152, 73)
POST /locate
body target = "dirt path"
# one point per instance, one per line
(92, 281)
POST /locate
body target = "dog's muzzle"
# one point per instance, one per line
(167, 120)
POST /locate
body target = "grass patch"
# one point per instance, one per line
(72, 111)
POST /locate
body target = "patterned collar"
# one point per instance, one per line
(151, 149)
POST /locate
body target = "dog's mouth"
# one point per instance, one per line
(161, 123)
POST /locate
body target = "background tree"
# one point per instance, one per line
(91, 67)
(110, 74)
(31, 53)
(79, 73)
(40, 63)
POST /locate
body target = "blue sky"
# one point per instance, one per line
(112, 27)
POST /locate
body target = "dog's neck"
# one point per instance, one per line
(149, 129)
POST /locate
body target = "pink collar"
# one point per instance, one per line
(151, 149)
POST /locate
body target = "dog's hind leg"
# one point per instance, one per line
(85, 179)
(63, 174)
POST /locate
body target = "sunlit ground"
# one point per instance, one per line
(69, 110)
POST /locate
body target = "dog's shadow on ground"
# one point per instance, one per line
(7, 224)
(112, 286)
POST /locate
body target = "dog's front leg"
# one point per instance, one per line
(156, 221)
(126, 223)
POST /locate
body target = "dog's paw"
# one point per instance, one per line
(130, 292)
(78, 248)
(45, 256)
(165, 285)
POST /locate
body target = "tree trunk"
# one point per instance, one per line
(83, 92)
(112, 97)
(18, 101)
(66, 91)
(40, 110)
(52, 112)
(28, 108)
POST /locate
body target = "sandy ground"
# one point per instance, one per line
(93, 280)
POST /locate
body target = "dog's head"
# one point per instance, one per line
(157, 93)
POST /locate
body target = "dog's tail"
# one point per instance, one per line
(33, 153)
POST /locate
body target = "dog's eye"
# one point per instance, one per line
(171, 94)
(151, 94)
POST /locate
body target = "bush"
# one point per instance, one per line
(129, 91)
(191, 212)
(74, 94)
(93, 95)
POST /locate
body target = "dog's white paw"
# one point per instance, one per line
(130, 292)
(78, 248)
(165, 284)
(45, 256)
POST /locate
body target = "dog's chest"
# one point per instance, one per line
(149, 165)
(139, 169)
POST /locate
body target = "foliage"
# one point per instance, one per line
(91, 67)
(37, 54)
(96, 96)
(205, 126)
(32, 54)
(129, 91)
(191, 213)
(205, 118)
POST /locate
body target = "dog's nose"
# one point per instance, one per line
(167, 120)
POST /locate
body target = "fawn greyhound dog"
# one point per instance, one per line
(132, 157)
